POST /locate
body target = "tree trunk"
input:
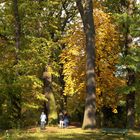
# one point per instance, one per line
(16, 96)
(86, 11)
(130, 110)
(50, 105)
(130, 99)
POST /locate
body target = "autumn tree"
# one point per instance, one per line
(107, 55)
(86, 11)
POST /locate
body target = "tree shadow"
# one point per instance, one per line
(77, 136)
(54, 133)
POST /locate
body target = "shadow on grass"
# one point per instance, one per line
(68, 134)
(79, 138)
(75, 137)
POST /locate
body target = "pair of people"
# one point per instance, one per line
(63, 120)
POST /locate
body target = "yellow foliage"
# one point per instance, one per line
(114, 110)
(107, 49)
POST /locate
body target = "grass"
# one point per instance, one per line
(71, 133)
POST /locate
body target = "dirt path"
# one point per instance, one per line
(53, 129)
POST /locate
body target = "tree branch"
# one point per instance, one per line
(81, 9)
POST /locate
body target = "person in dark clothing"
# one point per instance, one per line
(66, 120)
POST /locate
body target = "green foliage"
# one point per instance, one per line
(22, 79)
(44, 24)
(131, 62)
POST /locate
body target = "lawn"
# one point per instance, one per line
(71, 133)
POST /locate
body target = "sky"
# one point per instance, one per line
(138, 1)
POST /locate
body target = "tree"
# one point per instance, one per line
(130, 98)
(73, 58)
(86, 12)
(127, 19)
(16, 97)
(24, 55)
(42, 25)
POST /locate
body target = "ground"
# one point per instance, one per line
(70, 133)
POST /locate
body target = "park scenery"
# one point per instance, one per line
(69, 70)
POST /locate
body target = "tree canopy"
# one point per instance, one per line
(80, 57)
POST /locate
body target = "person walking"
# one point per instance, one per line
(43, 120)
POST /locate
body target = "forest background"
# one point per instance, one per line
(43, 62)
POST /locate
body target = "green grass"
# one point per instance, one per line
(54, 133)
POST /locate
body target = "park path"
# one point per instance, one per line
(55, 129)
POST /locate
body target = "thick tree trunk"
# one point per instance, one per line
(86, 12)
(50, 105)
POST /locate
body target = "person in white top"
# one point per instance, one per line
(43, 120)
(61, 120)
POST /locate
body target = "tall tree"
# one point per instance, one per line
(128, 21)
(86, 11)
(73, 59)
(130, 98)
(16, 98)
